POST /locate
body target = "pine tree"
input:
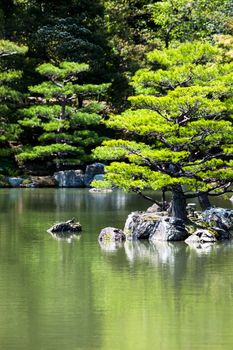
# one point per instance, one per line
(10, 97)
(178, 135)
(62, 119)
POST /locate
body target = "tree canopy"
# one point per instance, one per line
(64, 113)
(177, 136)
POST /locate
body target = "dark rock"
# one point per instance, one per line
(69, 178)
(91, 171)
(219, 217)
(111, 234)
(169, 229)
(202, 236)
(69, 226)
(222, 234)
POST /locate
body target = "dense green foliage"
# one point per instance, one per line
(190, 20)
(63, 113)
(10, 98)
(181, 120)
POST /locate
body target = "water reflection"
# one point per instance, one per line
(110, 246)
(203, 248)
(154, 252)
(81, 199)
(66, 237)
(81, 295)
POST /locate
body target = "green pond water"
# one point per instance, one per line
(57, 294)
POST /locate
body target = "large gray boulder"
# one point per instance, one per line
(140, 225)
(169, 229)
(154, 226)
(69, 178)
(111, 234)
(219, 218)
(91, 171)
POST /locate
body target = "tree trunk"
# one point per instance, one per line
(178, 208)
(204, 201)
(80, 101)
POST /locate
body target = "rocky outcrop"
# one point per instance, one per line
(154, 225)
(69, 178)
(140, 225)
(78, 179)
(69, 226)
(111, 234)
(219, 218)
(169, 229)
(91, 171)
(202, 236)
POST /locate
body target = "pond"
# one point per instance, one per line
(71, 295)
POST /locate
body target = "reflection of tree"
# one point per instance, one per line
(164, 256)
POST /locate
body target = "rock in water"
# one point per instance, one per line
(219, 218)
(67, 226)
(201, 236)
(140, 225)
(156, 226)
(111, 234)
(169, 229)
